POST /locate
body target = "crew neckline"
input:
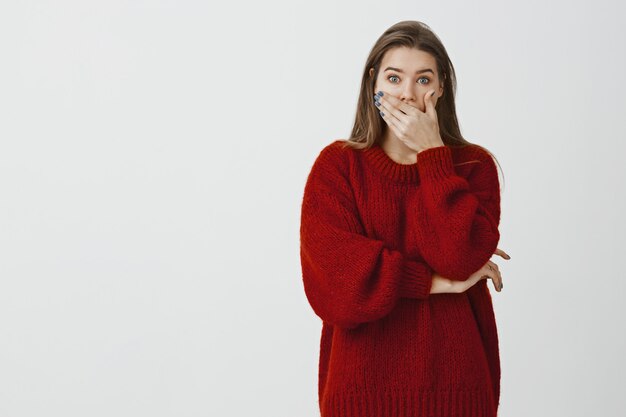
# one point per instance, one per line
(390, 168)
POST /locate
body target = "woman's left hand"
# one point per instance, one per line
(417, 129)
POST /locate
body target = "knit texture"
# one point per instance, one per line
(372, 233)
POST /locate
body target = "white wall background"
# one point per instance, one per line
(152, 162)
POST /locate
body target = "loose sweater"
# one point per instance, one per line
(372, 233)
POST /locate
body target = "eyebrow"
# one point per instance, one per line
(417, 72)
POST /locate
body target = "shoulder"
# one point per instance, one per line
(476, 163)
(335, 150)
(471, 152)
(331, 168)
(473, 157)
(332, 159)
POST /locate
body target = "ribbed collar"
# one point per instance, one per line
(390, 168)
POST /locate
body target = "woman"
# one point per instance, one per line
(398, 225)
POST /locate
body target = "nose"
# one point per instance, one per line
(408, 93)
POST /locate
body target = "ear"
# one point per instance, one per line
(371, 71)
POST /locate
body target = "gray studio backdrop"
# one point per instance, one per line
(152, 161)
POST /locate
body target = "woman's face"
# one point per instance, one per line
(408, 74)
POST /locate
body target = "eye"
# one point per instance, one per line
(423, 78)
(392, 76)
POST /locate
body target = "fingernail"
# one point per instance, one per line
(377, 103)
(433, 93)
(380, 93)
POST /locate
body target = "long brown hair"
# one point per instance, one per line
(368, 126)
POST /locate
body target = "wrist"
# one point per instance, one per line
(441, 284)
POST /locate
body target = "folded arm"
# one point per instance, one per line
(348, 277)
(457, 218)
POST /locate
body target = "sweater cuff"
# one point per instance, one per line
(416, 280)
(434, 163)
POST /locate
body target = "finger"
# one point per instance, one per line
(502, 253)
(388, 108)
(493, 276)
(497, 282)
(401, 105)
(392, 123)
(430, 105)
(491, 273)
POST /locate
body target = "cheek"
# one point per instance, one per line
(380, 83)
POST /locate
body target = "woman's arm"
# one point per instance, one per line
(457, 218)
(348, 277)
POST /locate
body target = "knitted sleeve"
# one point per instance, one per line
(458, 218)
(348, 277)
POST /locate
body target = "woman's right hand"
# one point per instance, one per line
(489, 271)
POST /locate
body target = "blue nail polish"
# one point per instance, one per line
(377, 103)
(380, 93)
(382, 114)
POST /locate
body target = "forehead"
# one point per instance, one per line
(408, 58)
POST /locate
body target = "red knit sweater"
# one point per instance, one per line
(372, 233)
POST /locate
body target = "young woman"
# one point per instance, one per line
(398, 226)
